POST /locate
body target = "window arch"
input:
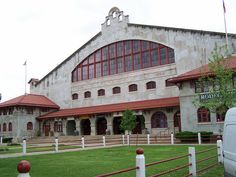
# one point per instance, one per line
(87, 94)
(29, 126)
(4, 127)
(101, 92)
(159, 120)
(9, 126)
(75, 96)
(203, 115)
(133, 87)
(122, 56)
(151, 85)
(116, 90)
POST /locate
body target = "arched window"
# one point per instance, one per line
(203, 115)
(87, 94)
(122, 56)
(9, 126)
(75, 96)
(151, 85)
(159, 120)
(58, 126)
(4, 127)
(133, 87)
(116, 90)
(101, 92)
(220, 113)
(29, 126)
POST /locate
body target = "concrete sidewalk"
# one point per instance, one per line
(3, 156)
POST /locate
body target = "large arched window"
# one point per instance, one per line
(101, 92)
(9, 126)
(4, 127)
(133, 87)
(29, 126)
(122, 56)
(151, 85)
(159, 120)
(203, 115)
(116, 90)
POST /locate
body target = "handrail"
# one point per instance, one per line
(118, 172)
(173, 169)
(167, 160)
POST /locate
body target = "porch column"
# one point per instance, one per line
(93, 126)
(64, 122)
(109, 119)
(51, 132)
(77, 125)
(147, 117)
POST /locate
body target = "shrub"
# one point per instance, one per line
(7, 140)
(188, 136)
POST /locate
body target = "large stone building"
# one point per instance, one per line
(125, 66)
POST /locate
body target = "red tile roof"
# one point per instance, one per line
(30, 100)
(201, 71)
(136, 105)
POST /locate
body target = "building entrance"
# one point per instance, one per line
(71, 127)
(85, 127)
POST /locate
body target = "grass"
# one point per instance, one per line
(98, 161)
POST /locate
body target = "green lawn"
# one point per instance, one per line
(94, 162)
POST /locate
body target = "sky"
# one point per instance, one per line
(46, 32)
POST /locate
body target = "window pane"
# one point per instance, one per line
(105, 53)
(85, 72)
(98, 56)
(91, 71)
(105, 68)
(137, 63)
(98, 69)
(127, 47)
(120, 65)
(120, 49)
(112, 66)
(136, 47)
(154, 55)
(163, 55)
(154, 45)
(145, 59)
(145, 45)
(91, 59)
(128, 63)
(112, 51)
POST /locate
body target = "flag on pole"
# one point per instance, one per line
(25, 62)
(224, 6)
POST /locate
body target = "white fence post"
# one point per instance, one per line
(220, 151)
(172, 137)
(23, 168)
(56, 144)
(192, 161)
(123, 139)
(199, 138)
(140, 163)
(128, 139)
(82, 142)
(0, 139)
(104, 141)
(24, 147)
(148, 139)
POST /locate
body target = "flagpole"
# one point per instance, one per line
(226, 34)
(25, 64)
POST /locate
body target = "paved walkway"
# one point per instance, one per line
(2, 156)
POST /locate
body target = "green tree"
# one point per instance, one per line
(128, 121)
(218, 81)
